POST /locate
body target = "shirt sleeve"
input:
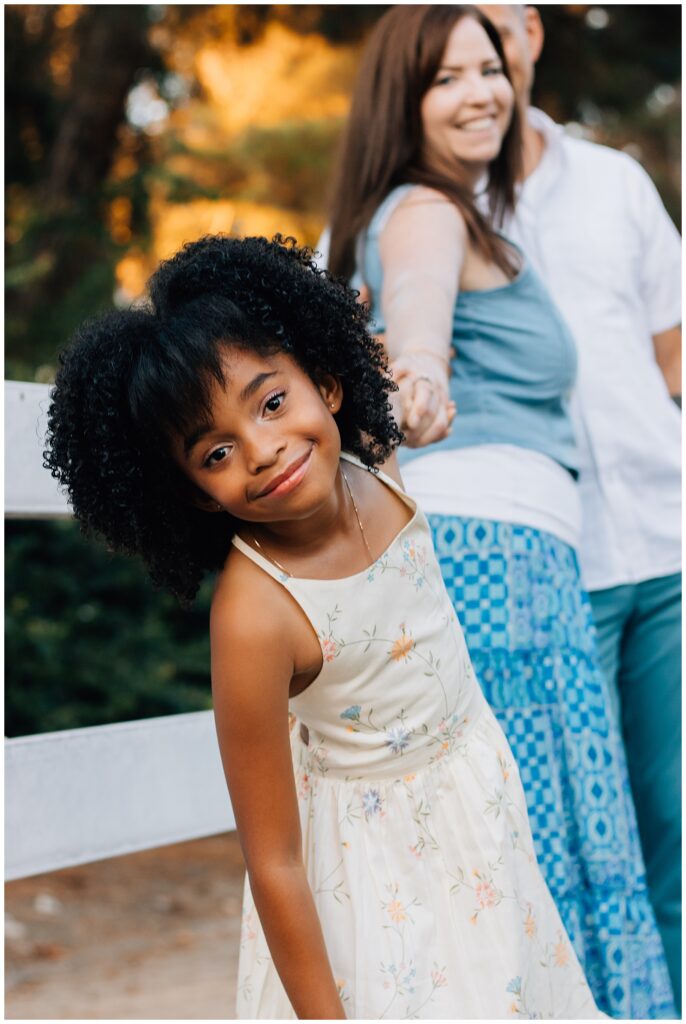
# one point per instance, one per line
(660, 273)
(422, 248)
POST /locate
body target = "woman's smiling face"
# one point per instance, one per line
(270, 449)
(467, 109)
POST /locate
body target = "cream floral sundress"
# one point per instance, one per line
(415, 831)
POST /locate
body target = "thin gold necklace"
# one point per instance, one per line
(359, 523)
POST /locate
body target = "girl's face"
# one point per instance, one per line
(270, 450)
(467, 109)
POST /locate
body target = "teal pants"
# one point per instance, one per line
(639, 638)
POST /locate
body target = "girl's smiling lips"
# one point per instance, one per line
(289, 479)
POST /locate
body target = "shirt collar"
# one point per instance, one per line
(552, 133)
(547, 171)
(544, 177)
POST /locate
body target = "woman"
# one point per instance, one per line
(469, 327)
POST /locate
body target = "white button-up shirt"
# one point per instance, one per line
(593, 225)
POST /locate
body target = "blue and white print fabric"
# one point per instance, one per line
(529, 630)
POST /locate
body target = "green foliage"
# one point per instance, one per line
(45, 306)
(88, 641)
(299, 157)
(604, 78)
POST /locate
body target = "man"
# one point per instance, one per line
(591, 222)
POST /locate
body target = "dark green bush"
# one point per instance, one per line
(89, 641)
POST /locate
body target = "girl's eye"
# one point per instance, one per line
(494, 70)
(445, 80)
(218, 455)
(274, 402)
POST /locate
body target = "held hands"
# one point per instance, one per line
(426, 408)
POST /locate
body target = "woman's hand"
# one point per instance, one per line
(427, 411)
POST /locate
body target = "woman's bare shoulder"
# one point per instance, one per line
(422, 194)
(423, 205)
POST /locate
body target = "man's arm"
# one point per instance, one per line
(667, 346)
(660, 275)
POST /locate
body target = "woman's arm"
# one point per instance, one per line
(252, 666)
(422, 250)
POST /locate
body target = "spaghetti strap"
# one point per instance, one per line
(259, 559)
(389, 481)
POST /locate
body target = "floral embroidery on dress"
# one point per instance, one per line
(367, 806)
(402, 646)
(343, 993)
(486, 893)
(329, 887)
(412, 567)
(331, 647)
(398, 739)
(518, 1007)
(402, 979)
(371, 803)
(530, 923)
(558, 954)
(248, 932)
(315, 761)
(425, 837)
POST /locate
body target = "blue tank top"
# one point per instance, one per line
(515, 361)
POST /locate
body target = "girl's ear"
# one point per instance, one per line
(331, 391)
(192, 495)
(207, 504)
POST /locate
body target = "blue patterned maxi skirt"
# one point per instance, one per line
(529, 629)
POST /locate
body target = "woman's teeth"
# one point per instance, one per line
(477, 126)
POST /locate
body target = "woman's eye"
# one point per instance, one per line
(445, 80)
(274, 403)
(495, 70)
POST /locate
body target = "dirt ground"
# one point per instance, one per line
(150, 936)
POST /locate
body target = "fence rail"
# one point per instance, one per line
(84, 794)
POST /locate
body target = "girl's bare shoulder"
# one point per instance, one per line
(248, 605)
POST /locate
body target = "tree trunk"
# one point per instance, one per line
(112, 47)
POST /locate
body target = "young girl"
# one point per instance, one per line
(238, 425)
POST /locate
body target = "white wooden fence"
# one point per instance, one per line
(83, 794)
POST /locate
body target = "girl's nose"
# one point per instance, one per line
(262, 450)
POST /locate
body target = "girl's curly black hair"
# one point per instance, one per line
(131, 379)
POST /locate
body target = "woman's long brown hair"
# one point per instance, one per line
(382, 143)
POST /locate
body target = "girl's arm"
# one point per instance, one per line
(252, 666)
(422, 250)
